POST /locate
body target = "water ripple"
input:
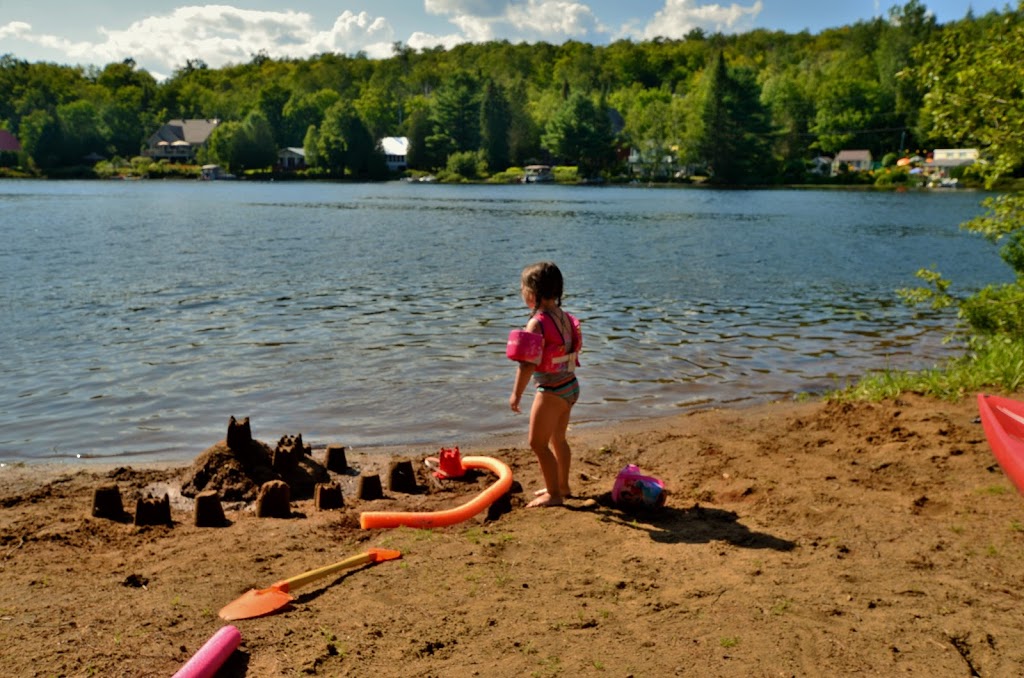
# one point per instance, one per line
(138, 318)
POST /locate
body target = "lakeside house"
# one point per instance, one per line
(179, 140)
(395, 150)
(9, 143)
(291, 158)
(852, 161)
(945, 159)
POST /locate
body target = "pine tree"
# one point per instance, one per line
(495, 120)
(732, 133)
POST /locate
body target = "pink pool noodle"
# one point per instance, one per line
(212, 655)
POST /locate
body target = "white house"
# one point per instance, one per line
(855, 161)
(395, 149)
(291, 158)
(946, 158)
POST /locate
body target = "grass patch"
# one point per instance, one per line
(417, 534)
(993, 490)
(990, 363)
(729, 641)
(503, 576)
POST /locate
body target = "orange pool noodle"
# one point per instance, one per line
(377, 519)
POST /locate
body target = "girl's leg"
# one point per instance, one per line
(563, 455)
(548, 412)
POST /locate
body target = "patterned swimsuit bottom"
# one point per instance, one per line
(568, 391)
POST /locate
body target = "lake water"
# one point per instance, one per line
(137, 317)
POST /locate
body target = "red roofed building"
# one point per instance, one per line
(9, 142)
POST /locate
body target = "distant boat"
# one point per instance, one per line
(214, 173)
(537, 174)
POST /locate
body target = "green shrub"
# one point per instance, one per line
(565, 174)
(466, 164)
(513, 175)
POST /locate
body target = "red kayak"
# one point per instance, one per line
(1003, 420)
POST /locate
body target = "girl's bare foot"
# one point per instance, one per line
(544, 499)
(565, 495)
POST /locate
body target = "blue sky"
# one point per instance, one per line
(162, 35)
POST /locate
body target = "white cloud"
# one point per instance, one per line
(354, 32)
(679, 17)
(486, 8)
(15, 29)
(550, 20)
(554, 18)
(421, 40)
(218, 35)
(475, 28)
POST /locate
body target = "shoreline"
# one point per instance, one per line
(28, 474)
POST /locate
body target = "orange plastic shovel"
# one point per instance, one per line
(258, 602)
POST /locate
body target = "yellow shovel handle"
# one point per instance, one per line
(311, 576)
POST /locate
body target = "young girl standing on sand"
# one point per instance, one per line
(547, 351)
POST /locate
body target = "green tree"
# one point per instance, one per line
(456, 113)
(655, 128)
(303, 110)
(246, 145)
(224, 142)
(311, 146)
(41, 138)
(271, 101)
(126, 125)
(259, 148)
(975, 98)
(908, 26)
(784, 92)
(418, 128)
(580, 133)
(849, 107)
(523, 131)
(380, 103)
(729, 132)
(343, 141)
(330, 143)
(81, 134)
(495, 120)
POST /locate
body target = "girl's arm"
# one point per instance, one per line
(523, 374)
(524, 371)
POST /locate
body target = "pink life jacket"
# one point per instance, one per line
(555, 357)
(524, 347)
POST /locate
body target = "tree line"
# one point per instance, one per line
(746, 108)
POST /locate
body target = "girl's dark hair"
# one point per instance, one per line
(544, 280)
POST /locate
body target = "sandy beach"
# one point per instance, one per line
(798, 539)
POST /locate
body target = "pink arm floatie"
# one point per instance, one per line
(524, 346)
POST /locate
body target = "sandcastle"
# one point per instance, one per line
(238, 466)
